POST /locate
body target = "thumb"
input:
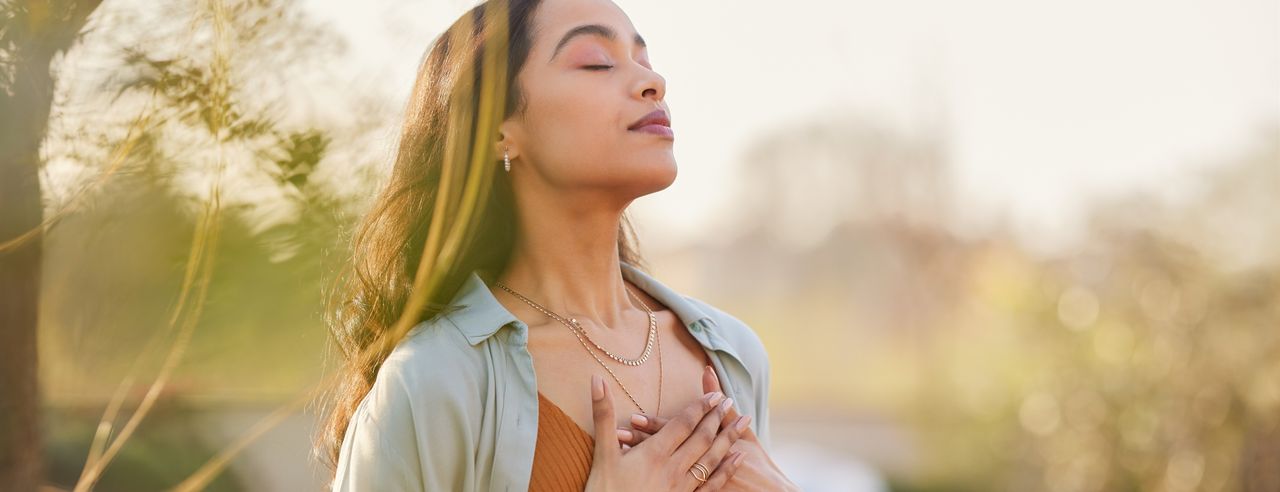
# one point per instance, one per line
(606, 438)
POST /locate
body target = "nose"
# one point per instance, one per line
(651, 85)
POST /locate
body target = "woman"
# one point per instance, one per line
(537, 310)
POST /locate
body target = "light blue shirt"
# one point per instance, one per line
(455, 405)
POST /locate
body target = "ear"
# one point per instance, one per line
(501, 145)
(506, 140)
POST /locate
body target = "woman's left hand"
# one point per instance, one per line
(757, 472)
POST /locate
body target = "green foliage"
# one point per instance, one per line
(172, 442)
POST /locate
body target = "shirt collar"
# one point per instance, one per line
(480, 315)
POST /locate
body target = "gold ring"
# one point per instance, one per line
(699, 467)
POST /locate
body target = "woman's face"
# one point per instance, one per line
(586, 82)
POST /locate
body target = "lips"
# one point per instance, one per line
(658, 117)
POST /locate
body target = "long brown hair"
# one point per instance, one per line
(444, 211)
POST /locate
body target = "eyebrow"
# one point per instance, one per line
(593, 30)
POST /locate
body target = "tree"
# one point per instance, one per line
(33, 33)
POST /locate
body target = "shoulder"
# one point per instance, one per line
(419, 419)
(738, 334)
(432, 365)
(437, 343)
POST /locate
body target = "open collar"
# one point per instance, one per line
(480, 315)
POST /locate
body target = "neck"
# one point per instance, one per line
(566, 260)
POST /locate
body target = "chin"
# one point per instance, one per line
(658, 177)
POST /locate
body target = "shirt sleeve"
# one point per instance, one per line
(396, 442)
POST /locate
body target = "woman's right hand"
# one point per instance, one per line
(664, 460)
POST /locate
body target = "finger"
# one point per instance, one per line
(724, 440)
(632, 437)
(648, 423)
(703, 437)
(602, 413)
(711, 382)
(721, 475)
(678, 428)
(654, 423)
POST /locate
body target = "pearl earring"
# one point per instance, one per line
(506, 161)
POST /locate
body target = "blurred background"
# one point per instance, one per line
(989, 245)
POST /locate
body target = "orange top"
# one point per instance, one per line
(562, 455)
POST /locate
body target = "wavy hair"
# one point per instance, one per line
(444, 212)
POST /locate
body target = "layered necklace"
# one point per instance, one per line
(581, 334)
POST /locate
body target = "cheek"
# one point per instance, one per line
(575, 122)
(588, 106)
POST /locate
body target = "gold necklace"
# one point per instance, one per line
(652, 339)
(648, 345)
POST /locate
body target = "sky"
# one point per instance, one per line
(1046, 105)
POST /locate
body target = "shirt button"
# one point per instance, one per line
(696, 327)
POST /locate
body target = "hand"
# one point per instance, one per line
(758, 471)
(664, 461)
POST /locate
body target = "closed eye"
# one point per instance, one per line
(598, 67)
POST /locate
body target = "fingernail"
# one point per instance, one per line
(728, 403)
(638, 420)
(597, 387)
(741, 425)
(737, 460)
(624, 435)
(715, 399)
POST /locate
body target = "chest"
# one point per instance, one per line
(564, 367)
